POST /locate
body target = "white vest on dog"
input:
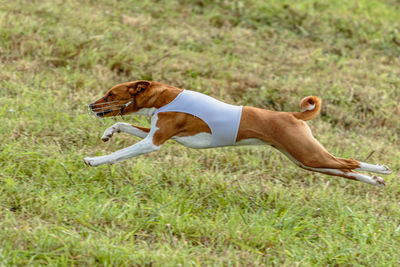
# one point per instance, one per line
(223, 119)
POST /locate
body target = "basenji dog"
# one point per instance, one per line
(199, 121)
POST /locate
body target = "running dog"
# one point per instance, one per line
(199, 121)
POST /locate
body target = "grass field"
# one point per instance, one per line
(245, 206)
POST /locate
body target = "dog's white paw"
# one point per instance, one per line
(88, 161)
(93, 162)
(96, 161)
(108, 133)
(379, 181)
(385, 169)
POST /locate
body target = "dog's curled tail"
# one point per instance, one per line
(310, 107)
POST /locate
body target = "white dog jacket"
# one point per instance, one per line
(223, 119)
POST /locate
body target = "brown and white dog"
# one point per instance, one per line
(285, 131)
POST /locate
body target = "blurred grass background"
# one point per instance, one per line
(231, 206)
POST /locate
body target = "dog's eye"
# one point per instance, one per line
(110, 94)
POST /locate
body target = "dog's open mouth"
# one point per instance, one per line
(102, 113)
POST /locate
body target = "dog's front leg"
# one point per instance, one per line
(123, 127)
(143, 147)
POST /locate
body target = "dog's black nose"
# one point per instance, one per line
(91, 105)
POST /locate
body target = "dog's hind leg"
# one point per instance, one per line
(312, 155)
(300, 144)
(349, 174)
(345, 173)
(306, 152)
(123, 127)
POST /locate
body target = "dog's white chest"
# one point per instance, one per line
(200, 140)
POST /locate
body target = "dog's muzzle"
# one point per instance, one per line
(113, 107)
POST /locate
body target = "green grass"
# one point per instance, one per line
(231, 206)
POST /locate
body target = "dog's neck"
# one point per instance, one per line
(145, 112)
(166, 96)
(156, 100)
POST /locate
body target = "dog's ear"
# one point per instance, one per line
(138, 87)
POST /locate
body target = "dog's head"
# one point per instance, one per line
(122, 99)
